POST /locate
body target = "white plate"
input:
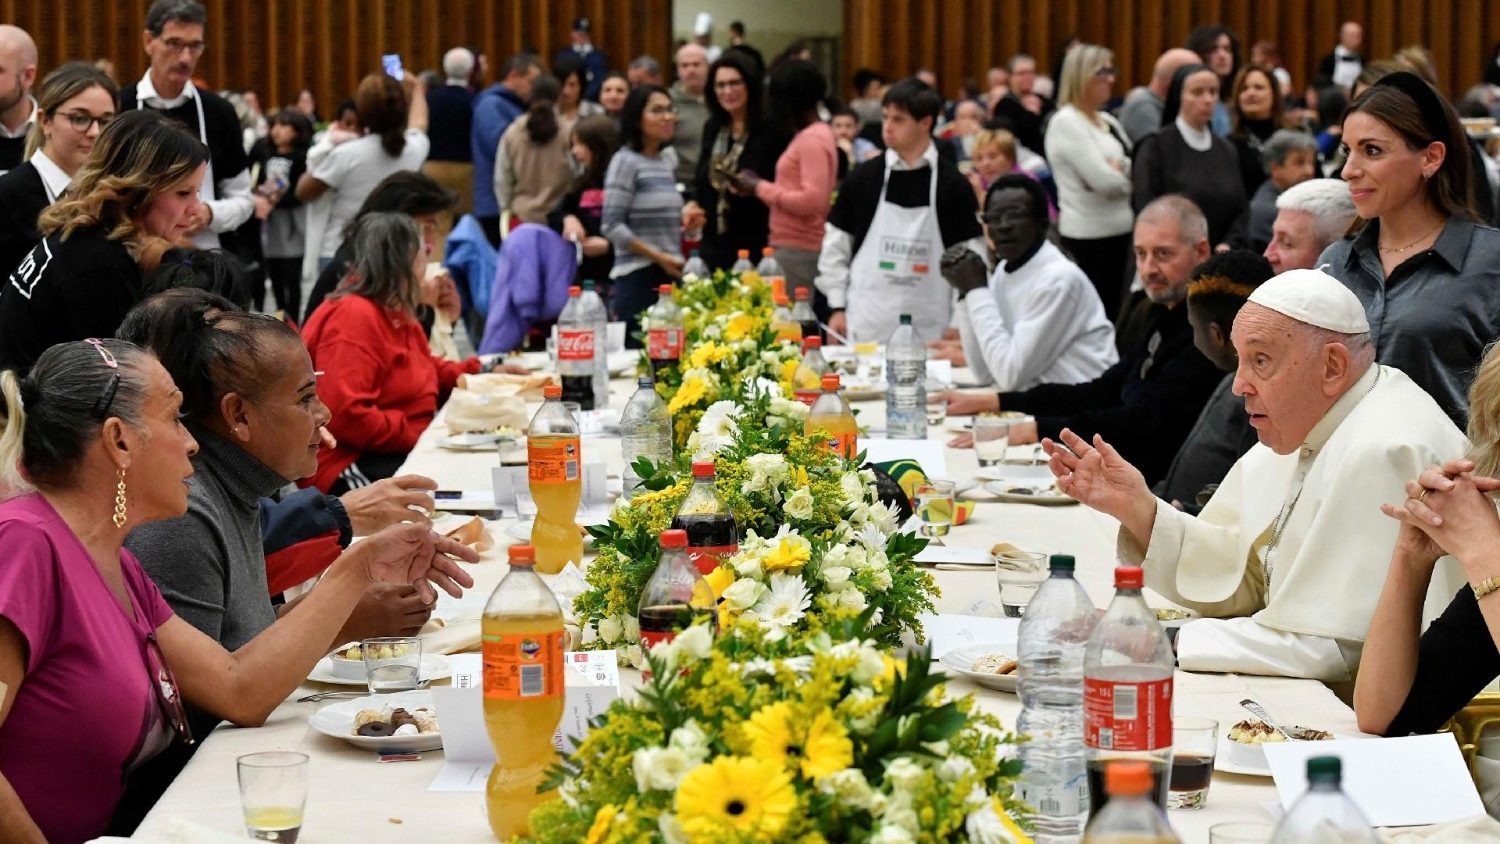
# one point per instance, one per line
(961, 662)
(476, 442)
(337, 720)
(521, 532)
(1003, 491)
(434, 667)
(622, 362)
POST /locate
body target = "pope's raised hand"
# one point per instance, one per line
(1095, 474)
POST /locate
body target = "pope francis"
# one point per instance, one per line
(1287, 559)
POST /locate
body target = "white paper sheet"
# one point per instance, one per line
(1395, 781)
(949, 555)
(950, 631)
(513, 493)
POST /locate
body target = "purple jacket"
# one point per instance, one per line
(532, 276)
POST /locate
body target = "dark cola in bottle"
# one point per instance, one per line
(711, 532)
(664, 333)
(676, 596)
(576, 340)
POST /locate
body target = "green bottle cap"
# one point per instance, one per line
(1325, 769)
(1062, 562)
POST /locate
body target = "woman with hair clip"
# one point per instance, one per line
(531, 164)
(1427, 272)
(74, 104)
(95, 428)
(138, 188)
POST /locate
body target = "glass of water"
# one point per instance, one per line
(1019, 574)
(935, 506)
(991, 439)
(937, 403)
(273, 793)
(392, 663)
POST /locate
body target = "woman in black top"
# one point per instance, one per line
(736, 137)
(74, 103)
(579, 216)
(1256, 111)
(139, 187)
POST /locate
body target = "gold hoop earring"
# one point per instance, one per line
(119, 517)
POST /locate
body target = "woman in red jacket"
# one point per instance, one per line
(378, 377)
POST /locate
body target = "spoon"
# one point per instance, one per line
(1260, 712)
(314, 698)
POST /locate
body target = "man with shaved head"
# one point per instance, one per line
(1285, 562)
(1141, 113)
(692, 109)
(17, 108)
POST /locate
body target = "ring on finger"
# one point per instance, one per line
(1423, 496)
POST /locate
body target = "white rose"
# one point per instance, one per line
(671, 829)
(632, 629)
(660, 768)
(835, 576)
(903, 774)
(882, 579)
(695, 642)
(610, 629)
(890, 833)
(852, 487)
(743, 593)
(690, 739)
(634, 657)
(954, 769)
(799, 505)
(870, 666)
(851, 598)
(849, 786)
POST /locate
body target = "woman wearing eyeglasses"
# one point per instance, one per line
(74, 103)
(88, 647)
(138, 187)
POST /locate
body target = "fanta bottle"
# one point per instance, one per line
(831, 415)
(523, 691)
(807, 381)
(782, 323)
(553, 461)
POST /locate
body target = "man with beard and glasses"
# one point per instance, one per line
(17, 108)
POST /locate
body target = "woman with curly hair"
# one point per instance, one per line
(138, 188)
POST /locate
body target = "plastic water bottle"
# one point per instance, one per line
(1324, 813)
(598, 315)
(906, 383)
(695, 266)
(769, 268)
(1127, 690)
(742, 262)
(1053, 634)
(576, 341)
(645, 431)
(1130, 817)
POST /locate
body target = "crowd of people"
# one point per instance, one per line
(1246, 315)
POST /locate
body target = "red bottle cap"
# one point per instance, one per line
(552, 391)
(665, 289)
(779, 298)
(830, 381)
(674, 538)
(812, 343)
(803, 294)
(1129, 577)
(1127, 779)
(744, 253)
(522, 555)
(768, 251)
(703, 469)
(575, 290)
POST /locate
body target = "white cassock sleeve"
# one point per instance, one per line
(1246, 646)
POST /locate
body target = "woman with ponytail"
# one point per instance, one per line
(532, 170)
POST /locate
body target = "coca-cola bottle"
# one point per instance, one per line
(802, 312)
(576, 339)
(1127, 691)
(711, 531)
(676, 596)
(664, 334)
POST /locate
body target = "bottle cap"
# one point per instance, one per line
(703, 468)
(906, 319)
(768, 251)
(588, 284)
(779, 298)
(552, 391)
(812, 343)
(522, 555)
(1127, 779)
(803, 293)
(778, 287)
(1129, 577)
(575, 291)
(1062, 562)
(674, 538)
(744, 253)
(830, 381)
(645, 381)
(1325, 769)
(664, 289)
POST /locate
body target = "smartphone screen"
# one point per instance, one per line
(391, 62)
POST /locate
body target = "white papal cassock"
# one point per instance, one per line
(1328, 560)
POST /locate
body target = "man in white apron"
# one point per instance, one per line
(894, 217)
(174, 41)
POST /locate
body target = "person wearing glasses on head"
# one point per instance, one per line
(75, 103)
(137, 191)
(96, 664)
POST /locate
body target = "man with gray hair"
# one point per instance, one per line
(450, 119)
(643, 70)
(1149, 400)
(17, 108)
(1289, 158)
(1141, 114)
(688, 95)
(1284, 562)
(1309, 217)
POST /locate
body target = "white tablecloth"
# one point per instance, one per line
(354, 797)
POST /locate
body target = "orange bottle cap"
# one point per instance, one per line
(812, 343)
(803, 293)
(703, 469)
(522, 555)
(575, 290)
(830, 381)
(552, 391)
(1127, 779)
(664, 289)
(744, 253)
(768, 251)
(674, 538)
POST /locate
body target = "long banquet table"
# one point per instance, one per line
(352, 796)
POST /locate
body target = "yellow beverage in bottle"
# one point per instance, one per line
(782, 323)
(523, 637)
(554, 463)
(554, 533)
(831, 415)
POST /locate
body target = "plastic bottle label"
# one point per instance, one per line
(649, 638)
(845, 445)
(664, 343)
(807, 397)
(553, 460)
(523, 666)
(708, 557)
(575, 344)
(1127, 716)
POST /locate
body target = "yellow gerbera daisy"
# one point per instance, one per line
(739, 327)
(707, 355)
(718, 580)
(692, 390)
(822, 749)
(788, 369)
(735, 794)
(789, 553)
(602, 820)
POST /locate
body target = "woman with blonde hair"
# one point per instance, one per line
(1090, 159)
(74, 104)
(1256, 111)
(138, 188)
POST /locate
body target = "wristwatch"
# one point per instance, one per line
(1485, 587)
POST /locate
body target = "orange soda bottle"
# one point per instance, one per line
(782, 323)
(807, 380)
(524, 690)
(831, 415)
(553, 470)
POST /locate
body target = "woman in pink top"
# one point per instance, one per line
(806, 173)
(88, 647)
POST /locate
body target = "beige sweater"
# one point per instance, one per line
(529, 179)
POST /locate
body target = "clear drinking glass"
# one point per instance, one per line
(937, 404)
(1195, 741)
(935, 506)
(273, 793)
(392, 663)
(1240, 832)
(1019, 574)
(1022, 429)
(991, 439)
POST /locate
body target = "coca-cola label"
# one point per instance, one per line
(1123, 715)
(575, 344)
(664, 343)
(807, 397)
(708, 557)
